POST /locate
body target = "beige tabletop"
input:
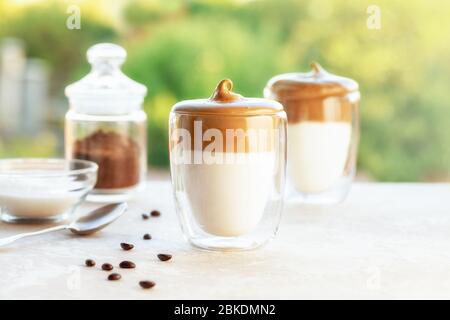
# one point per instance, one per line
(385, 241)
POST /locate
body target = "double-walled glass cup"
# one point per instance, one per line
(228, 158)
(323, 135)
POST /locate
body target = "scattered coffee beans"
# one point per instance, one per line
(90, 263)
(164, 257)
(114, 277)
(155, 213)
(107, 267)
(127, 265)
(147, 237)
(145, 216)
(147, 284)
(127, 246)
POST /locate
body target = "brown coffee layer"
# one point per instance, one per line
(227, 120)
(315, 96)
(236, 134)
(320, 110)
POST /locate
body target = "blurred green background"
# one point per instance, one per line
(181, 49)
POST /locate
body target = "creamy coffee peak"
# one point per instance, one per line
(223, 124)
(224, 101)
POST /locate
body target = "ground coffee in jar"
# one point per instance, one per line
(117, 156)
(106, 124)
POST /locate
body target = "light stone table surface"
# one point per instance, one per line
(384, 241)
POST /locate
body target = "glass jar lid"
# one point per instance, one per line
(225, 102)
(315, 84)
(106, 89)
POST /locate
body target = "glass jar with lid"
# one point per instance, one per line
(228, 156)
(106, 124)
(323, 134)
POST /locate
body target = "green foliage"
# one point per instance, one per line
(42, 146)
(141, 12)
(43, 28)
(187, 59)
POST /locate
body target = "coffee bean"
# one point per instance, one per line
(127, 265)
(147, 284)
(90, 263)
(127, 246)
(145, 216)
(114, 277)
(147, 237)
(164, 257)
(155, 213)
(107, 267)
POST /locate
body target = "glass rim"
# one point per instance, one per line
(89, 167)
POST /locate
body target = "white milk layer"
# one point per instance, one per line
(36, 207)
(317, 154)
(35, 198)
(229, 199)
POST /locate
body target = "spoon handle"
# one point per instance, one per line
(9, 240)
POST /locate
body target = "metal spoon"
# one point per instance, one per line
(88, 224)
